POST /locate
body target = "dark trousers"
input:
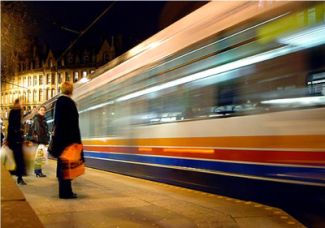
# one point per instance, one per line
(65, 188)
(19, 159)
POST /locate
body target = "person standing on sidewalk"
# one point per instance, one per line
(15, 139)
(66, 132)
(40, 137)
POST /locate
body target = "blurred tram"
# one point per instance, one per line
(233, 90)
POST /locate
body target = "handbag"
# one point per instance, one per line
(72, 162)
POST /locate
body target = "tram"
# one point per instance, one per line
(233, 90)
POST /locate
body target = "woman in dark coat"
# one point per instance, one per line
(41, 136)
(66, 132)
(15, 139)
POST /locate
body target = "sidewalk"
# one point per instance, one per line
(113, 200)
(15, 210)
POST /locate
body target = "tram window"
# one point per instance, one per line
(316, 84)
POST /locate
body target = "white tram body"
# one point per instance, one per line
(234, 89)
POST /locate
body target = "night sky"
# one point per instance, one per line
(135, 21)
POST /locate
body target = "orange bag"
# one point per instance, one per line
(73, 165)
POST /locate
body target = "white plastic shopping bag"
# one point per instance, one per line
(7, 157)
(41, 156)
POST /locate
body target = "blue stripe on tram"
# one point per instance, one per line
(270, 171)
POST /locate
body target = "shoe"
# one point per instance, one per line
(72, 196)
(21, 181)
(40, 175)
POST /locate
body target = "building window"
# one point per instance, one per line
(67, 76)
(29, 81)
(35, 80)
(48, 79)
(40, 98)
(52, 92)
(53, 78)
(59, 78)
(25, 98)
(40, 79)
(25, 82)
(48, 93)
(29, 96)
(84, 74)
(76, 76)
(35, 96)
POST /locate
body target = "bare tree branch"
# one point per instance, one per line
(17, 29)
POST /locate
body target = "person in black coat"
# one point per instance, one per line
(40, 136)
(15, 139)
(66, 132)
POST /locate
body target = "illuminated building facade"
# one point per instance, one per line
(37, 78)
